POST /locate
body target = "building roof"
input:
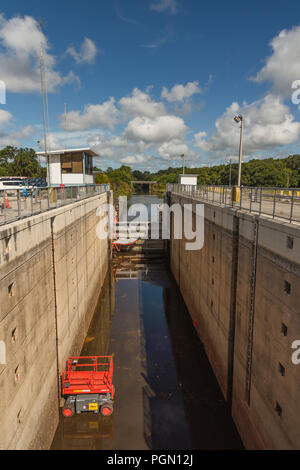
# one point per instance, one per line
(194, 175)
(87, 150)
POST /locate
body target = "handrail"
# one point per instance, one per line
(16, 204)
(274, 202)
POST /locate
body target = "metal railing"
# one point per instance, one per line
(17, 204)
(282, 203)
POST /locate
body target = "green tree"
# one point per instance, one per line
(20, 162)
(26, 163)
(102, 178)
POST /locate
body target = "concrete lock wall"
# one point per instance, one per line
(52, 269)
(242, 292)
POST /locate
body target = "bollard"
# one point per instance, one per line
(236, 194)
(52, 195)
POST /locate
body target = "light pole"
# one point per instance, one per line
(182, 156)
(240, 119)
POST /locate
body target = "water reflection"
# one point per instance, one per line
(208, 415)
(149, 411)
(166, 394)
(88, 430)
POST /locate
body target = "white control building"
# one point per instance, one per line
(188, 180)
(71, 167)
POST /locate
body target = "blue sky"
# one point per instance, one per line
(147, 80)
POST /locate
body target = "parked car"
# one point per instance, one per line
(36, 182)
(11, 184)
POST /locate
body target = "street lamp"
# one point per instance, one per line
(239, 119)
(182, 156)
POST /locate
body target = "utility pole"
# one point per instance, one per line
(183, 163)
(230, 162)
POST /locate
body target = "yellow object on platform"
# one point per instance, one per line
(236, 194)
(51, 195)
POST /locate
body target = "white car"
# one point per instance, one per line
(11, 184)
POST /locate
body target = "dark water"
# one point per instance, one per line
(166, 394)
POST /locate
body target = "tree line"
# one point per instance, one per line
(283, 172)
(279, 172)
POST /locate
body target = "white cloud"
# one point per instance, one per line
(181, 92)
(20, 40)
(21, 35)
(149, 131)
(170, 6)
(94, 115)
(158, 43)
(5, 117)
(148, 128)
(134, 159)
(160, 129)
(172, 150)
(141, 104)
(139, 149)
(86, 54)
(268, 124)
(283, 66)
(53, 143)
(114, 147)
(15, 137)
(24, 133)
(62, 139)
(199, 139)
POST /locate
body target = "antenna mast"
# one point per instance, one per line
(66, 131)
(45, 103)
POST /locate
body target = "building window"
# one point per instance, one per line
(66, 163)
(88, 165)
(71, 163)
(77, 163)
